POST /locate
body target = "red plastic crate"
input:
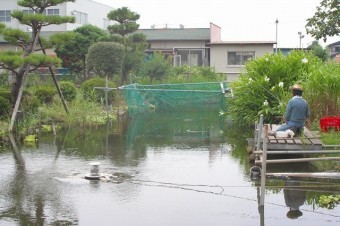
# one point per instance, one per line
(330, 123)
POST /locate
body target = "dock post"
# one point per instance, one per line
(263, 171)
(259, 133)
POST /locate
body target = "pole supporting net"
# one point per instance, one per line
(174, 97)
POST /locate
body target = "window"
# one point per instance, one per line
(191, 57)
(336, 49)
(239, 58)
(5, 15)
(81, 18)
(28, 11)
(51, 12)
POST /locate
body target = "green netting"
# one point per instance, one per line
(174, 97)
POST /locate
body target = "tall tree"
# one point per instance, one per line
(75, 46)
(124, 32)
(326, 20)
(319, 51)
(21, 63)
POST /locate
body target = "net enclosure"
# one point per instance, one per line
(175, 97)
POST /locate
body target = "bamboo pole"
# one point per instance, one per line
(331, 175)
(300, 152)
(263, 172)
(298, 160)
(54, 79)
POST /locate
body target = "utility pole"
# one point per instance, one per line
(300, 37)
(276, 22)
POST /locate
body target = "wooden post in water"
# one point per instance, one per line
(263, 171)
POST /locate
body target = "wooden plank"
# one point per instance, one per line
(306, 132)
(316, 141)
(297, 141)
(293, 147)
(289, 141)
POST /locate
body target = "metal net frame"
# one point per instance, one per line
(174, 97)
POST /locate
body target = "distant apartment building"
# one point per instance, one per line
(84, 11)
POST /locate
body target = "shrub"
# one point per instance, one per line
(105, 58)
(264, 86)
(45, 94)
(157, 68)
(97, 95)
(5, 107)
(322, 90)
(68, 90)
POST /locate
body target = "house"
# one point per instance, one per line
(188, 46)
(204, 47)
(334, 51)
(229, 57)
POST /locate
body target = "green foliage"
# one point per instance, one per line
(319, 51)
(45, 94)
(5, 107)
(331, 138)
(184, 74)
(97, 95)
(322, 90)
(124, 32)
(82, 113)
(126, 21)
(326, 20)
(329, 201)
(72, 47)
(11, 59)
(264, 87)
(106, 58)
(68, 90)
(157, 68)
(5, 93)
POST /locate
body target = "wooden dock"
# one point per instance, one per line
(266, 142)
(305, 141)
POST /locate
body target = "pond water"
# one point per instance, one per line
(158, 169)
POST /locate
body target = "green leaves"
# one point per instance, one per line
(326, 20)
(106, 58)
(330, 201)
(264, 86)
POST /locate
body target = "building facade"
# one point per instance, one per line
(84, 11)
(229, 57)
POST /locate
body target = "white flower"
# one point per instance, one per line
(265, 103)
(221, 113)
(266, 79)
(280, 84)
(250, 80)
(304, 60)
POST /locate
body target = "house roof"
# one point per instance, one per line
(242, 43)
(176, 34)
(334, 43)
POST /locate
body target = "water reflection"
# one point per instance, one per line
(28, 196)
(163, 168)
(294, 198)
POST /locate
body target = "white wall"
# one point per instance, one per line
(95, 11)
(219, 56)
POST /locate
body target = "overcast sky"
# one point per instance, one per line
(240, 20)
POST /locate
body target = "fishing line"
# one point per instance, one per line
(178, 186)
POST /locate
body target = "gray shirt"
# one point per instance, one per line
(297, 110)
